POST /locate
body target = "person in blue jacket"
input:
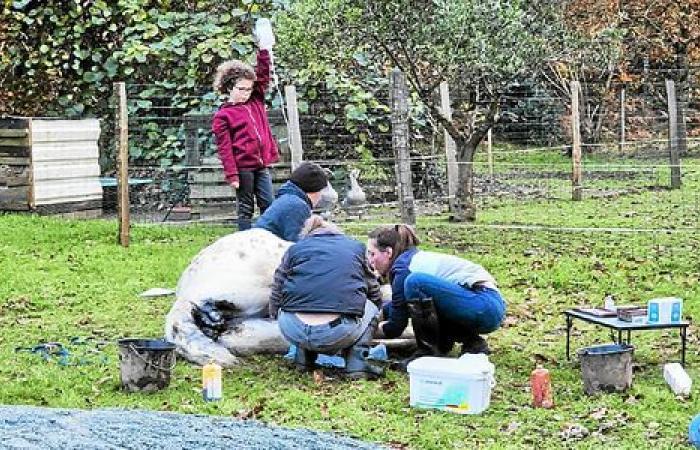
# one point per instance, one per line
(449, 299)
(326, 299)
(295, 199)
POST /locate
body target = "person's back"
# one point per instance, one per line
(286, 215)
(325, 298)
(449, 267)
(328, 275)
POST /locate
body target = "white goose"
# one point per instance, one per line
(355, 196)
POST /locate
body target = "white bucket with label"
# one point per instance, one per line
(461, 386)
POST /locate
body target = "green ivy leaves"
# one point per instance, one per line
(61, 58)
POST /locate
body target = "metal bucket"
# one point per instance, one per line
(606, 368)
(145, 364)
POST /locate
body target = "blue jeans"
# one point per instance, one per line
(461, 311)
(254, 185)
(328, 338)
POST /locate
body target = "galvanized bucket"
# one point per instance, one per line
(145, 364)
(606, 368)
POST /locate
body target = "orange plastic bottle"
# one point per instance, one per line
(541, 387)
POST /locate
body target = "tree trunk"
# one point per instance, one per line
(603, 111)
(466, 142)
(464, 206)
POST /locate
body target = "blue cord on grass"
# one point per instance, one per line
(51, 350)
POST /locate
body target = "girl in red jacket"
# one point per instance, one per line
(243, 136)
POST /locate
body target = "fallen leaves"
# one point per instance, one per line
(598, 414)
(573, 432)
(540, 358)
(249, 413)
(17, 304)
(653, 430)
(509, 321)
(85, 320)
(319, 377)
(606, 420)
(510, 428)
(324, 410)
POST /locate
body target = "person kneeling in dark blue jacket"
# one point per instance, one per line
(325, 297)
(295, 199)
(448, 299)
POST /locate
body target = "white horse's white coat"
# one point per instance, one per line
(238, 269)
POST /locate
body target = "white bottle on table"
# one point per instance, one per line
(609, 303)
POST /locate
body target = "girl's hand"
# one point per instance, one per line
(235, 184)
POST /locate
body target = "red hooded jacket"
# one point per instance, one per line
(243, 136)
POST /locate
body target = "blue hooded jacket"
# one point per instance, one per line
(286, 215)
(326, 272)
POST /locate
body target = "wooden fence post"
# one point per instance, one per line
(489, 152)
(122, 128)
(193, 155)
(673, 135)
(400, 143)
(293, 130)
(450, 147)
(576, 143)
(621, 144)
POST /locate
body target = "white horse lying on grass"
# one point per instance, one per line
(234, 275)
(222, 297)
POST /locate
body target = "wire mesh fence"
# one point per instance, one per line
(522, 174)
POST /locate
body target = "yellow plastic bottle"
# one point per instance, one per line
(211, 382)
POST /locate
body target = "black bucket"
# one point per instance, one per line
(145, 364)
(606, 368)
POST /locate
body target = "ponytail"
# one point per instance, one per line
(399, 238)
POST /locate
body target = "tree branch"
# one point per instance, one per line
(478, 132)
(412, 67)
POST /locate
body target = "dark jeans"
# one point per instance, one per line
(254, 185)
(462, 311)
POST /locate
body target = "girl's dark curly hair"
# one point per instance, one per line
(228, 73)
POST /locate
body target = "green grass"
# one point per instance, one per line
(62, 279)
(618, 192)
